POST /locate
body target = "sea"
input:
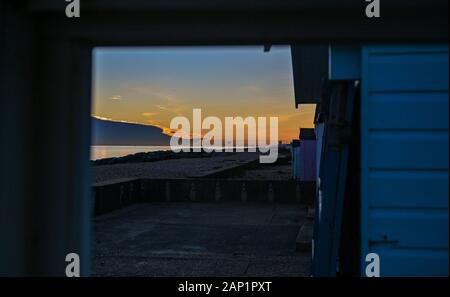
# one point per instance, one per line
(114, 151)
(110, 151)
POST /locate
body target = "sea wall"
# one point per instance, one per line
(117, 194)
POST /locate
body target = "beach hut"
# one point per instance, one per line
(295, 156)
(307, 164)
(303, 155)
(382, 157)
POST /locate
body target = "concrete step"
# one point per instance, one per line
(311, 213)
(303, 242)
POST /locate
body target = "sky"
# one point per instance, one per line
(151, 85)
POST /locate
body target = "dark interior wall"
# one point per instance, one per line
(15, 122)
(150, 22)
(45, 114)
(61, 141)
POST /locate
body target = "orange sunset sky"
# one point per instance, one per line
(152, 85)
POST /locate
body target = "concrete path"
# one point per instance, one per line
(200, 239)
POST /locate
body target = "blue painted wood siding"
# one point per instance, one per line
(404, 165)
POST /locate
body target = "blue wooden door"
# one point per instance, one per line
(404, 165)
